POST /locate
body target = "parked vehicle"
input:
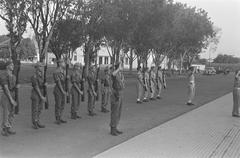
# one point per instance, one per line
(209, 71)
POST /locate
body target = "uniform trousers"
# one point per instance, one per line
(236, 101)
(116, 107)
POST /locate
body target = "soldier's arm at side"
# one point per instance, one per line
(36, 87)
(7, 92)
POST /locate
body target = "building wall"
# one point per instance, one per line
(104, 58)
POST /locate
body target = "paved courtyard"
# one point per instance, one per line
(89, 136)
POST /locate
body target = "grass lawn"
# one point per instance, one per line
(90, 135)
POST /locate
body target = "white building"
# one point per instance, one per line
(103, 58)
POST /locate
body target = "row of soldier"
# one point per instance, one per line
(150, 83)
(113, 81)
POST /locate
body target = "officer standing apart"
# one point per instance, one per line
(191, 85)
(140, 85)
(105, 90)
(59, 92)
(8, 83)
(236, 94)
(116, 99)
(37, 97)
(91, 92)
(76, 79)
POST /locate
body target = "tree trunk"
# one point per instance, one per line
(17, 65)
(181, 64)
(131, 61)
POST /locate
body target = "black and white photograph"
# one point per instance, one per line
(119, 78)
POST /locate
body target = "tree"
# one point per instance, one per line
(43, 16)
(13, 13)
(224, 58)
(26, 49)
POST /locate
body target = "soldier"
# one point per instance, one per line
(59, 92)
(236, 94)
(191, 86)
(37, 97)
(105, 88)
(140, 85)
(8, 82)
(152, 77)
(159, 82)
(91, 92)
(147, 85)
(76, 79)
(116, 99)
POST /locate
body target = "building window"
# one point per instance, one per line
(126, 61)
(100, 60)
(75, 57)
(106, 60)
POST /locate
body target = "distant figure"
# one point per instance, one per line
(159, 82)
(146, 85)
(236, 94)
(152, 76)
(8, 103)
(191, 86)
(140, 85)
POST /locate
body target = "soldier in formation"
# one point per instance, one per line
(37, 97)
(76, 92)
(116, 99)
(8, 103)
(105, 90)
(59, 91)
(140, 85)
(91, 91)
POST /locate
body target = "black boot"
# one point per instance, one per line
(58, 120)
(35, 126)
(10, 131)
(73, 116)
(119, 132)
(77, 116)
(40, 125)
(114, 131)
(4, 132)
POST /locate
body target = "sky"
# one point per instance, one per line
(225, 14)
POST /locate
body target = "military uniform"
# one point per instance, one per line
(7, 107)
(140, 87)
(116, 102)
(159, 82)
(91, 93)
(153, 84)
(76, 78)
(236, 95)
(191, 88)
(60, 98)
(147, 86)
(37, 102)
(105, 90)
